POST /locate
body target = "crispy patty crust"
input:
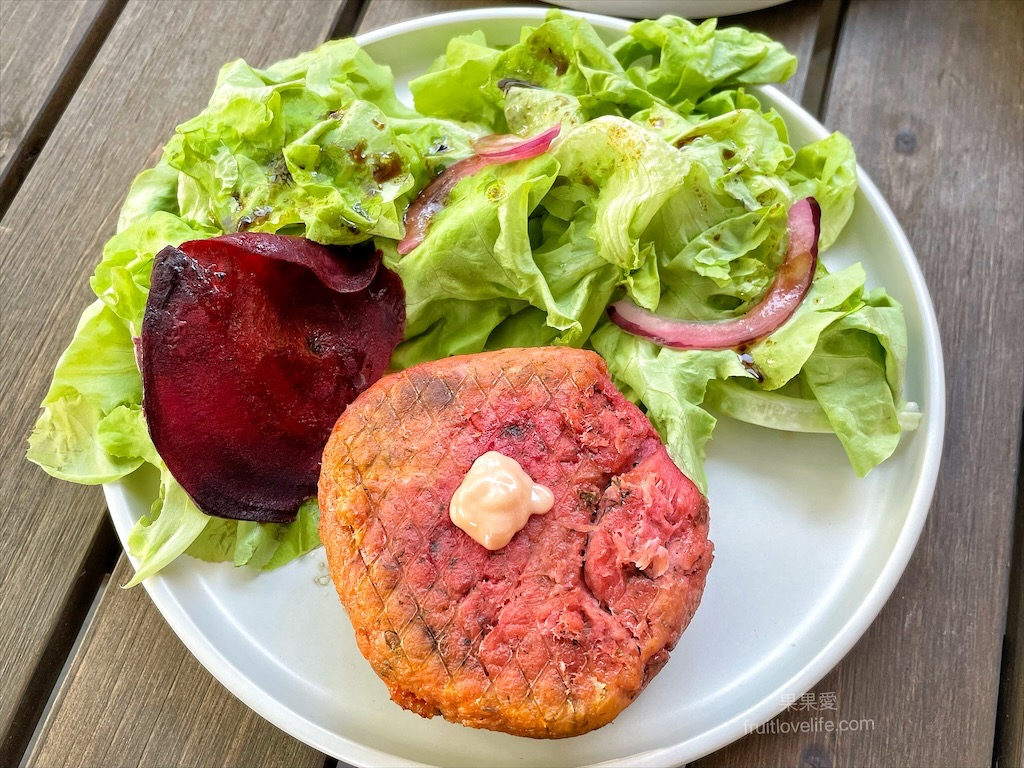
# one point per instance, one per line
(556, 633)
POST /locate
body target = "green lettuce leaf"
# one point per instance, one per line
(95, 376)
(464, 69)
(317, 145)
(634, 173)
(121, 279)
(837, 366)
(856, 375)
(566, 54)
(477, 264)
(154, 190)
(262, 546)
(689, 61)
(783, 354)
(671, 385)
(666, 66)
(827, 171)
(792, 409)
(123, 432)
(171, 526)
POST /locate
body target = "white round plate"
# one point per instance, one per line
(652, 9)
(806, 553)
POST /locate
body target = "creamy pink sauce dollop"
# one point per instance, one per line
(495, 500)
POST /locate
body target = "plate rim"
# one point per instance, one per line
(761, 711)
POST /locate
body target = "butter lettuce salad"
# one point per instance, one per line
(669, 184)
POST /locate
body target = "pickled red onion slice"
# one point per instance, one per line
(490, 150)
(507, 147)
(787, 290)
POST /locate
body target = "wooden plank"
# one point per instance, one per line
(156, 69)
(136, 696)
(31, 81)
(71, 613)
(931, 95)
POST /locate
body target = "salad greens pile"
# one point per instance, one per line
(669, 183)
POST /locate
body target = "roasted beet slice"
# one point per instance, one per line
(345, 270)
(252, 346)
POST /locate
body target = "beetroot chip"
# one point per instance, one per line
(345, 270)
(252, 346)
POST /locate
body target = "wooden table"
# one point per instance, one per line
(930, 92)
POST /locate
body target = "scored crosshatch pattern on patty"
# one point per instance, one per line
(557, 632)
